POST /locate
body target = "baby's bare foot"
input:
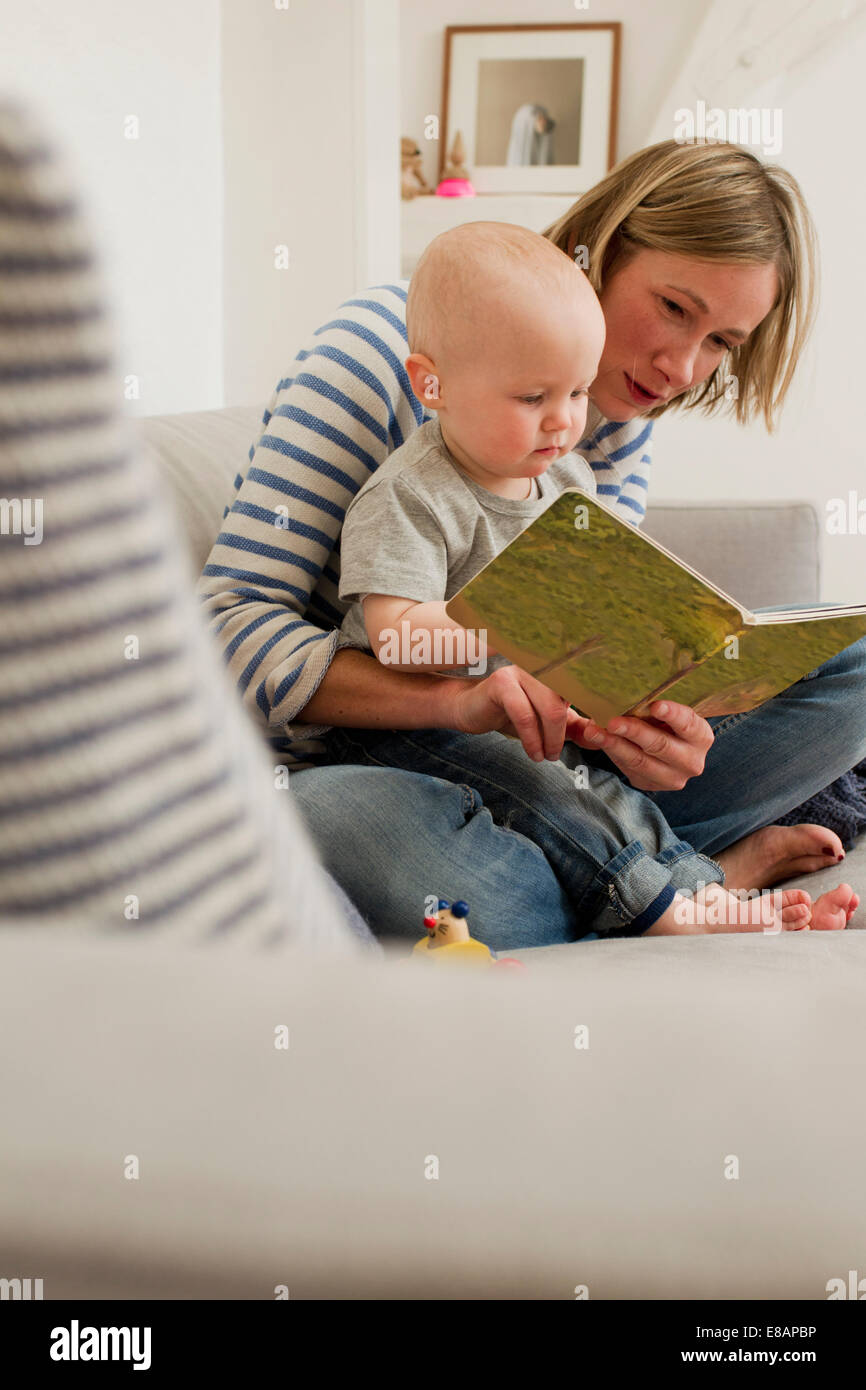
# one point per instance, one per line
(834, 910)
(714, 909)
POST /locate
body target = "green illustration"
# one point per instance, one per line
(611, 622)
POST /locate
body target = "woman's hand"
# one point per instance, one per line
(657, 754)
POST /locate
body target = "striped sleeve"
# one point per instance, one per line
(620, 455)
(270, 587)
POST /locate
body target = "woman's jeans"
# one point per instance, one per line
(542, 858)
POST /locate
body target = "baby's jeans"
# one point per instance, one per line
(618, 860)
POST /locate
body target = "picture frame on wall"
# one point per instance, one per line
(536, 104)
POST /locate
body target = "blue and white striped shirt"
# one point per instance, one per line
(270, 587)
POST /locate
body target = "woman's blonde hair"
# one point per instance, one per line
(715, 202)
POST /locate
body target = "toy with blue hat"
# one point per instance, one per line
(448, 938)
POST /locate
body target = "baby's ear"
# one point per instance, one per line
(424, 378)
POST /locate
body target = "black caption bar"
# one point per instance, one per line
(155, 1339)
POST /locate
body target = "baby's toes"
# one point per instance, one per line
(796, 909)
(794, 897)
(796, 917)
(830, 912)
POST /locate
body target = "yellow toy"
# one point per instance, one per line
(448, 938)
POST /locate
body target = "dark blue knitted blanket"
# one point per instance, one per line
(841, 807)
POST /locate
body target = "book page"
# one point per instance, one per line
(795, 615)
(762, 661)
(599, 612)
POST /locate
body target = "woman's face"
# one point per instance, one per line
(670, 320)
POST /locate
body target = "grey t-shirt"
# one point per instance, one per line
(420, 528)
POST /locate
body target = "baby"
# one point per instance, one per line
(505, 336)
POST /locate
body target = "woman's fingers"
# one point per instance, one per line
(681, 740)
(684, 722)
(656, 754)
(632, 748)
(645, 773)
(574, 725)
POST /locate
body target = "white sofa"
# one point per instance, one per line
(430, 1132)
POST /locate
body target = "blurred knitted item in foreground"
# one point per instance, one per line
(841, 807)
(135, 794)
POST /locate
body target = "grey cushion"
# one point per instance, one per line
(198, 455)
(761, 553)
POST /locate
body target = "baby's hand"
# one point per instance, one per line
(512, 702)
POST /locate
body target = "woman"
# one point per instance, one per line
(703, 261)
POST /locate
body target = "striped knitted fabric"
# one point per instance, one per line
(270, 587)
(133, 791)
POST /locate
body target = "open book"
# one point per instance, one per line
(611, 620)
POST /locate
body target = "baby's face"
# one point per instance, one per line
(519, 401)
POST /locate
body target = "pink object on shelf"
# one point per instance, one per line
(455, 188)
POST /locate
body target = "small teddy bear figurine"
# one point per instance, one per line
(412, 180)
(448, 937)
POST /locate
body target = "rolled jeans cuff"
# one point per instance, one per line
(636, 888)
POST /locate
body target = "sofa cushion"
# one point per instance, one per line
(763, 554)
(199, 454)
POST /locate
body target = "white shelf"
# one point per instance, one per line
(424, 217)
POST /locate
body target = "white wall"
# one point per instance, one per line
(819, 450)
(155, 203)
(376, 148)
(311, 131)
(258, 127)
